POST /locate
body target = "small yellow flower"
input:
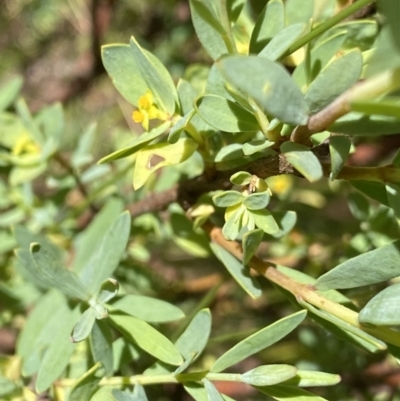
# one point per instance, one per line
(147, 111)
(25, 144)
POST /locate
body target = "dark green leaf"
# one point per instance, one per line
(259, 341)
(147, 338)
(270, 21)
(106, 257)
(391, 11)
(86, 385)
(372, 267)
(359, 206)
(303, 160)
(383, 308)
(148, 309)
(101, 345)
(393, 195)
(268, 375)
(226, 115)
(375, 190)
(250, 242)
(269, 84)
(388, 106)
(199, 393)
(240, 273)
(331, 81)
(339, 148)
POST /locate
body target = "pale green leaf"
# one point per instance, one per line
(311, 378)
(383, 308)
(240, 273)
(147, 338)
(7, 386)
(331, 81)
(256, 146)
(280, 392)
(388, 106)
(226, 115)
(250, 242)
(268, 375)
(180, 126)
(108, 290)
(339, 148)
(303, 160)
(84, 326)
(148, 309)
(257, 201)
(9, 91)
(372, 267)
(265, 220)
(269, 84)
(270, 21)
(153, 157)
(106, 257)
(259, 341)
(101, 339)
(228, 198)
(212, 393)
(298, 11)
(86, 385)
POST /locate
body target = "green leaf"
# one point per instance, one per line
(108, 290)
(298, 11)
(286, 221)
(59, 352)
(156, 77)
(180, 126)
(137, 144)
(240, 273)
(226, 115)
(282, 41)
(375, 190)
(193, 340)
(257, 201)
(393, 196)
(153, 157)
(86, 385)
(383, 308)
(101, 340)
(199, 393)
(138, 394)
(388, 106)
(250, 242)
(207, 24)
(268, 375)
(252, 147)
(359, 206)
(51, 121)
(7, 386)
(234, 223)
(319, 57)
(331, 81)
(106, 257)
(270, 21)
(241, 178)
(371, 267)
(84, 326)
(212, 392)
(82, 154)
(311, 378)
(148, 309)
(265, 220)
(228, 198)
(281, 392)
(9, 91)
(259, 341)
(391, 10)
(40, 262)
(123, 69)
(303, 160)
(269, 84)
(339, 148)
(147, 338)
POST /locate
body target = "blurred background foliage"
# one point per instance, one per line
(55, 46)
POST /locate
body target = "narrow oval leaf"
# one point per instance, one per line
(148, 309)
(285, 220)
(268, 375)
(84, 326)
(259, 341)
(241, 178)
(101, 340)
(256, 146)
(311, 378)
(250, 242)
(106, 257)
(269, 84)
(9, 91)
(87, 384)
(199, 393)
(226, 115)
(282, 41)
(137, 144)
(59, 352)
(339, 148)
(156, 77)
(153, 157)
(383, 308)
(303, 160)
(270, 21)
(280, 392)
(265, 220)
(240, 273)
(228, 198)
(212, 392)
(371, 267)
(147, 338)
(331, 82)
(257, 201)
(388, 106)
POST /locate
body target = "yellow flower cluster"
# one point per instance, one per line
(24, 145)
(147, 111)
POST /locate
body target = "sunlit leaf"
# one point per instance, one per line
(281, 392)
(101, 345)
(228, 198)
(84, 326)
(339, 148)
(268, 375)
